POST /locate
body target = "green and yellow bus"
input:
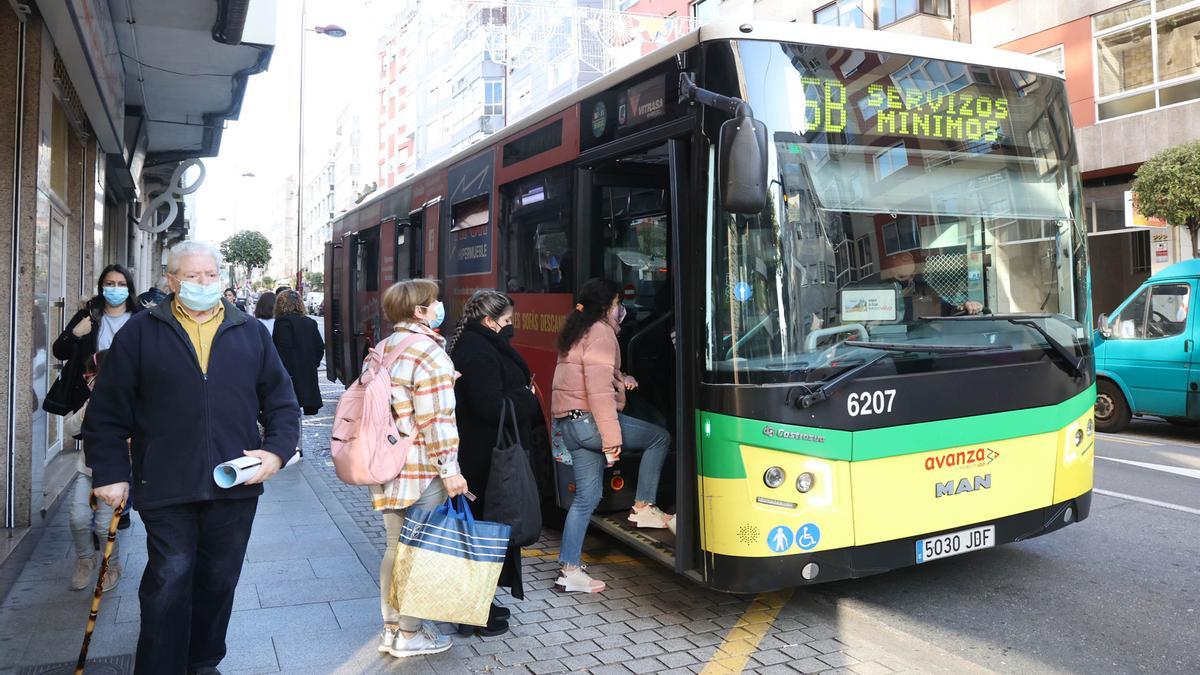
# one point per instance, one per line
(856, 274)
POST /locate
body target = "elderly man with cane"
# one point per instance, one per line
(184, 387)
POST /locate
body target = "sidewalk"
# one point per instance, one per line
(308, 602)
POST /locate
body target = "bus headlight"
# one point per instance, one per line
(1091, 427)
(804, 482)
(774, 477)
(1078, 437)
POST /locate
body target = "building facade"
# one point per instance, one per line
(92, 172)
(1133, 78)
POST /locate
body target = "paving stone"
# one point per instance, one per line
(676, 659)
(800, 652)
(612, 655)
(514, 658)
(837, 659)
(547, 653)
(870, 668)
(614, 669)
(491, 648)
(543, 667)
(578, 663)
(771, 657)
(775, 669)
(644, 650)
(810, 665)
(644, 666)
(581, 647)
(611, 641)
(827, 646)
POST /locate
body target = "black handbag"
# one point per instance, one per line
(512, 492)
(61, 399)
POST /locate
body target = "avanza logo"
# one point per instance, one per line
(979, 457)
(948, 488)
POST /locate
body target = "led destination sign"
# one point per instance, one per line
(901, 111)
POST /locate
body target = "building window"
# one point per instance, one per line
(902, 234)
(493, 97)
(891, 11)
(1139, 252)
(890, 160)
(706, 10)
(1147, 55)
(1054, 55)
(841, 13)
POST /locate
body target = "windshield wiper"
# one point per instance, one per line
(886, 349)
(1029, 321)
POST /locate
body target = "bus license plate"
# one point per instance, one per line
(955, 543)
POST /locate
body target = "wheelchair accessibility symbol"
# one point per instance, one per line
(808, 536)
(780, 539)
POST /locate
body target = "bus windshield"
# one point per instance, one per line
(903, 190)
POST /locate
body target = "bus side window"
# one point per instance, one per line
(537, 234)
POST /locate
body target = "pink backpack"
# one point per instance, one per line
(367, 448)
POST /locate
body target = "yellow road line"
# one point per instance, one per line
(742, 640)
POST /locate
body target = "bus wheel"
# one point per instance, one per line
(1112, 412)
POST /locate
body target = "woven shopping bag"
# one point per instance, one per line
(447, 564)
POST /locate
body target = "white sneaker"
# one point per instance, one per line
(650, 517)
(578, 581)
(386, 637)
(425, 641)
(83, 572)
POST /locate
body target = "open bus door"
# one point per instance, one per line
(332, 309)
(633, 207)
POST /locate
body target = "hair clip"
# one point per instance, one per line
(579, 307)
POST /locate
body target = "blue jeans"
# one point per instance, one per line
(582, 437)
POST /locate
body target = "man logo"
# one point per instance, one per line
(948, 488)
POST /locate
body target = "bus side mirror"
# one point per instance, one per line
(742, 166)
(1103, 327)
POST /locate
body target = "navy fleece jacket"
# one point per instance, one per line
(180, 421)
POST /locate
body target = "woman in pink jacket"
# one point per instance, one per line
(589, 394)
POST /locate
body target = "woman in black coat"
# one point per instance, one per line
(300, 347)
(491, 371)
(92, 329)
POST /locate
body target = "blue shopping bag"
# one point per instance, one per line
(447, 564)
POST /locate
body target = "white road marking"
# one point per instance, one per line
(1151, 502)
(1126, 439)
(1179, 471)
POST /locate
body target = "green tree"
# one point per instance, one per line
(1167, 186)
(267, 282)
(314, 280)
(248, 249)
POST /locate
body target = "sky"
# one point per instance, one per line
(263, 140)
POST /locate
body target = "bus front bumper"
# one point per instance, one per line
(758, 575)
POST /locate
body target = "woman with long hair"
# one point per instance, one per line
(300, 347)
(89, 332)
(589, 394)
(94, 326)
(491, 372)
(423, 408)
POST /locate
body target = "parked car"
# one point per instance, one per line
(315, 301)
(1146, 360)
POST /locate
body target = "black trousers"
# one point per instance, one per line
(195, 559)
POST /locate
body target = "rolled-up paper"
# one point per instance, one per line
(236, 471)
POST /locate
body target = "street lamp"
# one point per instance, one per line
(332, 31)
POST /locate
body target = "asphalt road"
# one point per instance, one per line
(1116, 593)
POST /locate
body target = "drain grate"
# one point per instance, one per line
(108, 665)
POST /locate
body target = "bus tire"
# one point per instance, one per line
(1112, 410)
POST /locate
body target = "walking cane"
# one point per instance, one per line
(108, 547)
